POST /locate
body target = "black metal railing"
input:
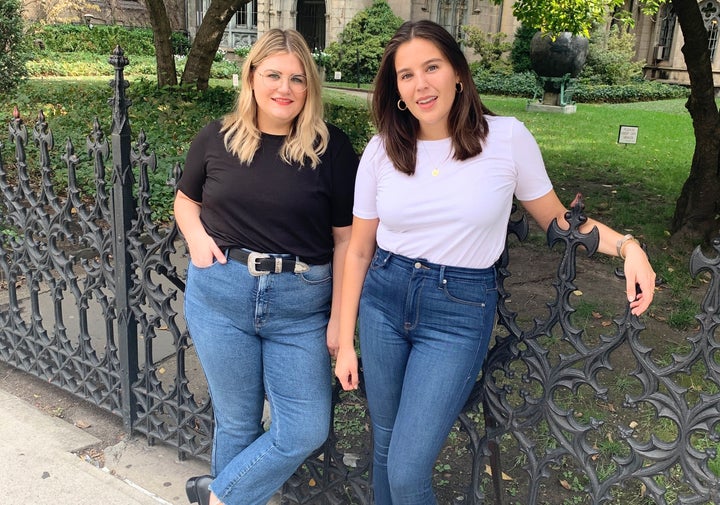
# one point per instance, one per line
(92, 292)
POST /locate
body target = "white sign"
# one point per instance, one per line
(236, 81)
(628, 134)
(338, 75)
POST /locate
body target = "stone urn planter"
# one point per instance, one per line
(556, 61)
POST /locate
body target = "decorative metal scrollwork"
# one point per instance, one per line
(60, 268)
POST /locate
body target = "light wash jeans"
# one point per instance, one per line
(424, 332)
(260, 337)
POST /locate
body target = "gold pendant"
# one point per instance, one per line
(435, 172)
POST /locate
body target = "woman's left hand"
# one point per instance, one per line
(639, 278)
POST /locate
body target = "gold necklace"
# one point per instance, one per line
(436, 166)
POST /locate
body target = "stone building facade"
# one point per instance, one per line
(322, 21)
(659, 42)
(658, 38)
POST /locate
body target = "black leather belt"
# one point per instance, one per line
(263, 263)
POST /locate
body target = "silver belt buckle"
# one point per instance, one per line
(252, 267)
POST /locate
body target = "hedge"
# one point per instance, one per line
(526, 84)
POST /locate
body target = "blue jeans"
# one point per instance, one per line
(260, 337)
(424, 332)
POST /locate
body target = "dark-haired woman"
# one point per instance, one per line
(433, 196)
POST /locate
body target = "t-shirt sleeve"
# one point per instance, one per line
(345, 165)
(366, 184)
(532, 178)
(193, 176)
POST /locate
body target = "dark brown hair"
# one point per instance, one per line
(399, 129)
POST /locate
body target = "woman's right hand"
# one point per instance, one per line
(203, 251)
(201, 246)
(346, 368)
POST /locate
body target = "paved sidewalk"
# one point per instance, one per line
(42, 464)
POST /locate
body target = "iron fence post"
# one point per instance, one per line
(123, 210)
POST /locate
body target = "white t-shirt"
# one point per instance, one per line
(451, 212)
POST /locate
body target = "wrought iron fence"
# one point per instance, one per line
(93, 291)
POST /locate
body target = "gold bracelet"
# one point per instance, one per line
(621, 244)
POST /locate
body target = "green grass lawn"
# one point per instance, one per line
(634, 186)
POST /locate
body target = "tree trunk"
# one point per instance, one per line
(696, 210)
(207, 40)
(164, 57)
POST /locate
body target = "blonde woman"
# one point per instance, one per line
(265, 206)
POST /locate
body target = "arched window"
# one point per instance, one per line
(201, 6)
(713, 39)
(311, 22)
(667, 29)
(711, 15)
(246, 15)
(452, 14)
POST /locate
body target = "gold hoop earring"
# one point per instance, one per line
(404, 105)
(458, 87)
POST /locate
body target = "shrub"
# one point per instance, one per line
(354, 120)
(219, 56)
(361, 44)
(610, 58)
(520, 52)
(637, 91)
(100, 39)
(505, 83)
(13, 55)
(491, 47)
(243, 50)
(180, 43)
(525, 84)
(49, 63)
(222, 69)
(322, 59)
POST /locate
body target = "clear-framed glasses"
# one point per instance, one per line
(273, 80)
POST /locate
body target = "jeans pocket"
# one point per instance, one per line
(318, 274)
(468, 292)
(204, 267)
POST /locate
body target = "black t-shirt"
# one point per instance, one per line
(268, 205)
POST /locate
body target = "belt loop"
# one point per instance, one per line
(388, 256)
(442, 280)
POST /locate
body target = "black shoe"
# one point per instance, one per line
(198, 489)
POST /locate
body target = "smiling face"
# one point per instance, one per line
(279, 92)
(426, 83)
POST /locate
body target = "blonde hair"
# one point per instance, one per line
(308, 135)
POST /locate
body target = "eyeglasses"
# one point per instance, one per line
(273, 80)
